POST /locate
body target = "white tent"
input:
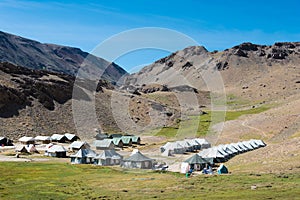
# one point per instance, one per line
(185, 144)
(108, 157)
(203, 142)
(194, 143)
(56, 151)
(83, 156)
(260, 143)
(172, 148)
(213, 153)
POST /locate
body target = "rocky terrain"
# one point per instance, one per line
(35, 55)
(248, 71)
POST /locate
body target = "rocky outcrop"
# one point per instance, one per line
(47, 88)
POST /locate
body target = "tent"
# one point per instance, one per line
(243, 147)
(108, 157)
(27, 140)
(71, 137)
(118, 142)
(195, 145)
(236, 146)
(127, 140)
(138, 160)
(171, 148)
(203, 142)
(76, 145)
(198, 163)
(59, 138)
(253, 144)
(231, 148)
(30, 148)
(136, 139)
(188, 147)
(43, 139)
(5, 142)
(83, 156)
(248, 145)
(213, 153)
(105, 144)
(56, 151)
(222, 169)
(101, 136)
(260, 143)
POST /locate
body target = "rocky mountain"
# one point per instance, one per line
(35, 102)
(247, 71)
(35, 55)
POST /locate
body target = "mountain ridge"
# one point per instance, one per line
(52, 57)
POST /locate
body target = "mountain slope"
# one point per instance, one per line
(248, 71)
(55, 58)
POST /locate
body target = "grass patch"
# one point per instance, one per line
(65, 181)
(200, 125)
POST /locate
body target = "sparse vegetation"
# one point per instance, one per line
(65, 181)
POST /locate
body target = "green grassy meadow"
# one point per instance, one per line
(201, 124)
(65, 181)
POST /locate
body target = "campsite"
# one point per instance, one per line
(116, 180)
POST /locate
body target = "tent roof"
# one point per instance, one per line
(78, 144)
(1, 138)
(56, 148)
(126, 139)
(193, 142)
(202, 141)
(211, 153)
(57, 136)
(84, 153)
(26, 139)
(196, 159)
(172, 146)
(103, 143)
(135, 138)
(70, 136)
(109, 154)
(116, 140)
(138, 157)
(185, 144)
(42, 138)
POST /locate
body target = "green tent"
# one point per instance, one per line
(196, 159)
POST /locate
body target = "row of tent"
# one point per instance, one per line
(224, 152)
(61, 138)
(182, 146)
(219, 154)
(122, 141)
(111, 157)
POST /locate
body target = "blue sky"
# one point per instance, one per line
(214, 24)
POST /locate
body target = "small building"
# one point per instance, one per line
(56, 151)
(71, 137)
(5, 142)
(77, 145)
(127, 140)
(108, 157)
(59, 138)
(106, 144)
(83, 156)
(43, 139)
(138, 160)
(27, 140)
